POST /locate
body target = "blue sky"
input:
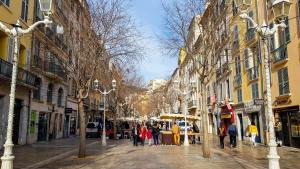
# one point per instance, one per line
(148, 15)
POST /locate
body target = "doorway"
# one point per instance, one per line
(16, 123)
(285, 129)
(255, 119)
(241, 125)
(42, 126)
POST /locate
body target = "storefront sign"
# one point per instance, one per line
(259, 101)
(251, 107)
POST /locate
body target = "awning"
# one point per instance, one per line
(178, 116)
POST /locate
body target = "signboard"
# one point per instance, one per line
(32, 122)
(259, 101)
(250, 107)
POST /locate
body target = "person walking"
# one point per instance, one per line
(232, 131)
(278, 132)
(143, 133)
(135, 134)
(149, 136)
(222, 134)
(176, 134)
(253, 133)
(155, 133)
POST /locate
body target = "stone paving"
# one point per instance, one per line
(27, 155)
(120, 154)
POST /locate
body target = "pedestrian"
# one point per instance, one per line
(135, 134)
(222, 134)
(149, 136)
(155, 133)
(232, 131)
(278, 132)
(196, 130)
(176, 134)
(143, 133)
(253, 133)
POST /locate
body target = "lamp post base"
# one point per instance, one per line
(186, 140)
(273, 156)
(8, 158)
(104, 139)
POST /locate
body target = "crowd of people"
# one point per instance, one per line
(145, 132)
(252, 133)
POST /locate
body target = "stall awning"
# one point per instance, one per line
(178, 116)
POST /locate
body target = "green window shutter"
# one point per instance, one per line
(287, 31)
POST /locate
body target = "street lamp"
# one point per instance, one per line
(16, 32)
(183, 94)
(104, 93)
(281, 9)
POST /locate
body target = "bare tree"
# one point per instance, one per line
(108, 36)
(210, 46)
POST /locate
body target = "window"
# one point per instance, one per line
(249, 23)
(10, 50)
(284, 35)
(60, 97)
(234, 8)
(236, 37)
(283, 80)
(238, 65)
(248, 57)
(228, 88)
(24, 12)
(59, 3)
(255, 92)
(6, 2)
(38, 13)
(272, 39)
(37, 92)
(49, 93)
(240, 95)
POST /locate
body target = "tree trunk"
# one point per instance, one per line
(82, 130)
(205, 146)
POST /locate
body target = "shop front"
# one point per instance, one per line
(290, 122)
(253, 114)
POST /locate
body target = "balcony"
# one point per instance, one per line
(24, 77)
(54, 70)
(235, 45)
(250, 35)
(192, 104)
(37, 62)
(237, 80)
(280, 54)
(253, 73)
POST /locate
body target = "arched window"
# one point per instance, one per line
(60, 97)
(37, 92)
(49, 93)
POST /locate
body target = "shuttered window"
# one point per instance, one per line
(255, 91)
(24, 12)
(283, 81)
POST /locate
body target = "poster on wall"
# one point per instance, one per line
(32, 122)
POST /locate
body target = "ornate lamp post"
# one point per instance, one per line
(104, 93)
(281, 9)
(183, 94)
(17, 32)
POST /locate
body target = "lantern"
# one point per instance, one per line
(96, 84)
(45, 6)
(114, 84)
(281, 9)
(243, 4)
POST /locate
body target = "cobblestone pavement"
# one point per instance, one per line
(28, 155)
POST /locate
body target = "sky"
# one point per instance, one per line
(148, 15)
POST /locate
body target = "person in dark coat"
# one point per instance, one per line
(135, 134)
(232, 131)
(155, 133)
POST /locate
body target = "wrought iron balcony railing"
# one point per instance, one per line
(250, 35)
(280, 53)
(23, 76)
(253, 73)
